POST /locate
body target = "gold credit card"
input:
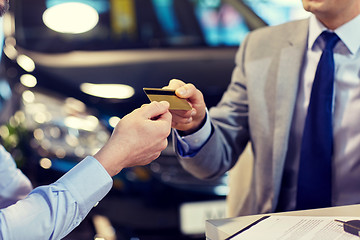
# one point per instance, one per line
(159, 94)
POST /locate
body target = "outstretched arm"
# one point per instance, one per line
(52, 211)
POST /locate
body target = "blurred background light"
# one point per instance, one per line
(4, 131)
(28, 80)
(88, 124)
(116, 91)
(38, 134)
(45, 163)
(5, 90)
(9, 48)
(113, 121)
(71, 17)
(28, 96)
(26, 63)
(73, 105)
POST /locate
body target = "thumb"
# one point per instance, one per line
(155, 109)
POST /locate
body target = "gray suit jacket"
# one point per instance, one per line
(257, 107)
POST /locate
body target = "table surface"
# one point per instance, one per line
(218, 229)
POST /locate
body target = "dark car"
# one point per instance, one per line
(62, 91)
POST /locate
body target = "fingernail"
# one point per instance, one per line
(193, 113)
(182, 91)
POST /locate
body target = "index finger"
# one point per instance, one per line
(174, 84)
(155, 109)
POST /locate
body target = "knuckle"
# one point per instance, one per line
(156, 105)
(176, 83)
(199, 93)
(154, 156)
(190, 86)
(174, 80)
(144, 105)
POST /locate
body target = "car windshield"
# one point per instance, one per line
(131, 24)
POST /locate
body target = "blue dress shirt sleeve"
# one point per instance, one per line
(14, 185)
(189, 145)
(52, 211)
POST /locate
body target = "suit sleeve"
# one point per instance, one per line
(230, 133)
(52, 211)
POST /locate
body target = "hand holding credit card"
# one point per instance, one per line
(160, 94)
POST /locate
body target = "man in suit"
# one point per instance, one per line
(266, 104)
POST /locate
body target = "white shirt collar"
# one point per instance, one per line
(348, 33)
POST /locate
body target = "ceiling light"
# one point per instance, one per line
(101, 6)
(115, 91)
(71, 17)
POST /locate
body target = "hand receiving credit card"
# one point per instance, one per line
(159, 94)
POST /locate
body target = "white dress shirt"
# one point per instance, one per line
(346, 115)
(52, 211)
(346, 112)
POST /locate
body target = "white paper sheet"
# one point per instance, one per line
(297, 228)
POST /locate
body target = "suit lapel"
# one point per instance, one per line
(290, 63)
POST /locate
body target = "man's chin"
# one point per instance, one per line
(313, 5)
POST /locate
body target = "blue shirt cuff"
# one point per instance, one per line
(88, 182)
(191, 144)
